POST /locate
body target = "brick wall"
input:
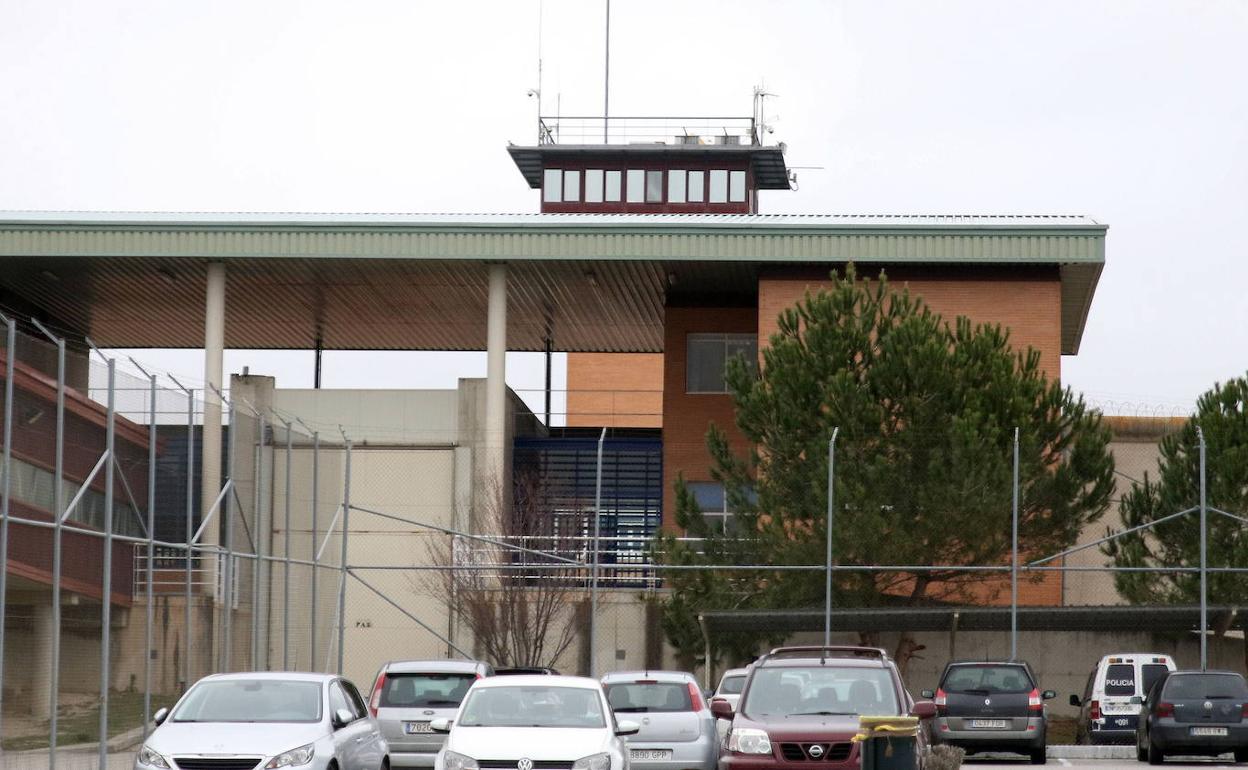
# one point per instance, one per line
(616, 390)
(686, 417)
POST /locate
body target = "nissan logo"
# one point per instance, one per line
(815, 751)
(524, 764)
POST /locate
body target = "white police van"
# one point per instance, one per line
(1106, 713)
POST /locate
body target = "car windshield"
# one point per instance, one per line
(251, 700)
(732, 685)
(648, 697)
(784, 692)
(532, 706)
(987, 679)
(1201, 686)
(423, 690)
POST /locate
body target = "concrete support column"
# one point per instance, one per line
(496, 377)
(42, 628)
(214, 352)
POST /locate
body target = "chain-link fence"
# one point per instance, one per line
(132, 567)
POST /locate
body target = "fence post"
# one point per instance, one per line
(827, 580)
(593, 589)
(190, 528)
(1014, 559)
(1204, 567)
(151, 557)
(106, 602)
(258, 565)
(227, 537)
(10, 351)
(286, 559)
(58, 504)
(342, 565)
(316, 471)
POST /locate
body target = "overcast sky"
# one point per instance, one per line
(1134, 113)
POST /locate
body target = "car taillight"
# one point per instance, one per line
(1034, 701)
(695, 697)
(375, 702)
(1165, 709)
(941, 700)
(1095, 709)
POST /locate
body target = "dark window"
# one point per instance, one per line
(425, 690)
(732, 685)
(784, 691)
(1206, 686)
(338, 700)
(987, 679)
(1120, 679)
(1152, 672)
(357, 703)
(648, 697)
(707, 357)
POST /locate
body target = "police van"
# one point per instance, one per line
(1106, 714)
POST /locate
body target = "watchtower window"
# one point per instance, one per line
(654, 187)
(614, 178)
(675, 186)
(697, 180)
(571, 186)
(593, 185)
(552, 185)
(636, 190)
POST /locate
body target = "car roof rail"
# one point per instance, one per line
(826, 651)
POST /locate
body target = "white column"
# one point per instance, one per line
(214, 349)
(40, 661)
(496, 375)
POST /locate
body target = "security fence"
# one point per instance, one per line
(326, 548)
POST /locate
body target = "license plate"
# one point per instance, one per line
(1122, 722)
(649, 755)
(989, 724)
(1209, 731)
(417, 728)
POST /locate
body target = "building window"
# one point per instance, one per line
(696, 181)
(719, 186)
(707, 357)
(654, 187)
(636, 190)
(552, 185)
(736, 187)
(712, 502)
(571, 186)
(675, 186)
(613, 186)
(593, 185)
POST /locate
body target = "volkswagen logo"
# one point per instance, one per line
(815, 751)
(524, 764)
(987, 701)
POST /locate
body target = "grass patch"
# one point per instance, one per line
(1062, 731)
(79, 724)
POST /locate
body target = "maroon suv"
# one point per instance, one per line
(800, 707)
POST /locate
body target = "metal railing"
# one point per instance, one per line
(722, 131)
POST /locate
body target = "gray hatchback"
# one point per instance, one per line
(677, 728)
(408, 695)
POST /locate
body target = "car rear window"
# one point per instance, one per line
(649, 697)
(1151, 673)
(1120, 679)
(987, 679)
(732, 685)
(425, 690)
(1202, 686)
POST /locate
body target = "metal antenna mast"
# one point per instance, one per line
(606, 78)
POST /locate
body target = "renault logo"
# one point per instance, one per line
(815, 751)
(1208, 706)
(524, 764)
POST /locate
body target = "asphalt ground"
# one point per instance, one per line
(1004, 761)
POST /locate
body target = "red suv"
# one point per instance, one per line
(801, 706)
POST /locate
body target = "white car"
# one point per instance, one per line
(534, 723)
(265, 720)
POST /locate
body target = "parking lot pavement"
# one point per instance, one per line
(1005, 762)
(38, 760)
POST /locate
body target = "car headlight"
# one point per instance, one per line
(747, 740)
(593, 762)
(151, 758)
(293, 758)
(455, 761)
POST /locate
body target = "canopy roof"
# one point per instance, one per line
(418, 282)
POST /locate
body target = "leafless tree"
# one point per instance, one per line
(517, 616)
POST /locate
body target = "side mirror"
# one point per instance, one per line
(342, 717)
(160, 716)
(1049, 694)
(627, 728)
(923, 709)
(721, 708)
(1137, 700)
(442, 725)
(708, 694)
(1074, 701)
(927, 694)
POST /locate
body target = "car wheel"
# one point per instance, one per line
(1141, 755)
(1241, 755)
(1039, 756)
(1155, 755)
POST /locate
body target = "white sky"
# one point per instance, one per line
(1134, 113)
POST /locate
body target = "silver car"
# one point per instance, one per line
(677, 728)
(730, 686)
(265, 720)
(408, 695)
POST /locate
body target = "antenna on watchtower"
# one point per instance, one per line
(761, 126)
(606, 77)
(537, 92)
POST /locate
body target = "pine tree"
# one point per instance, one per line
(926, 412)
